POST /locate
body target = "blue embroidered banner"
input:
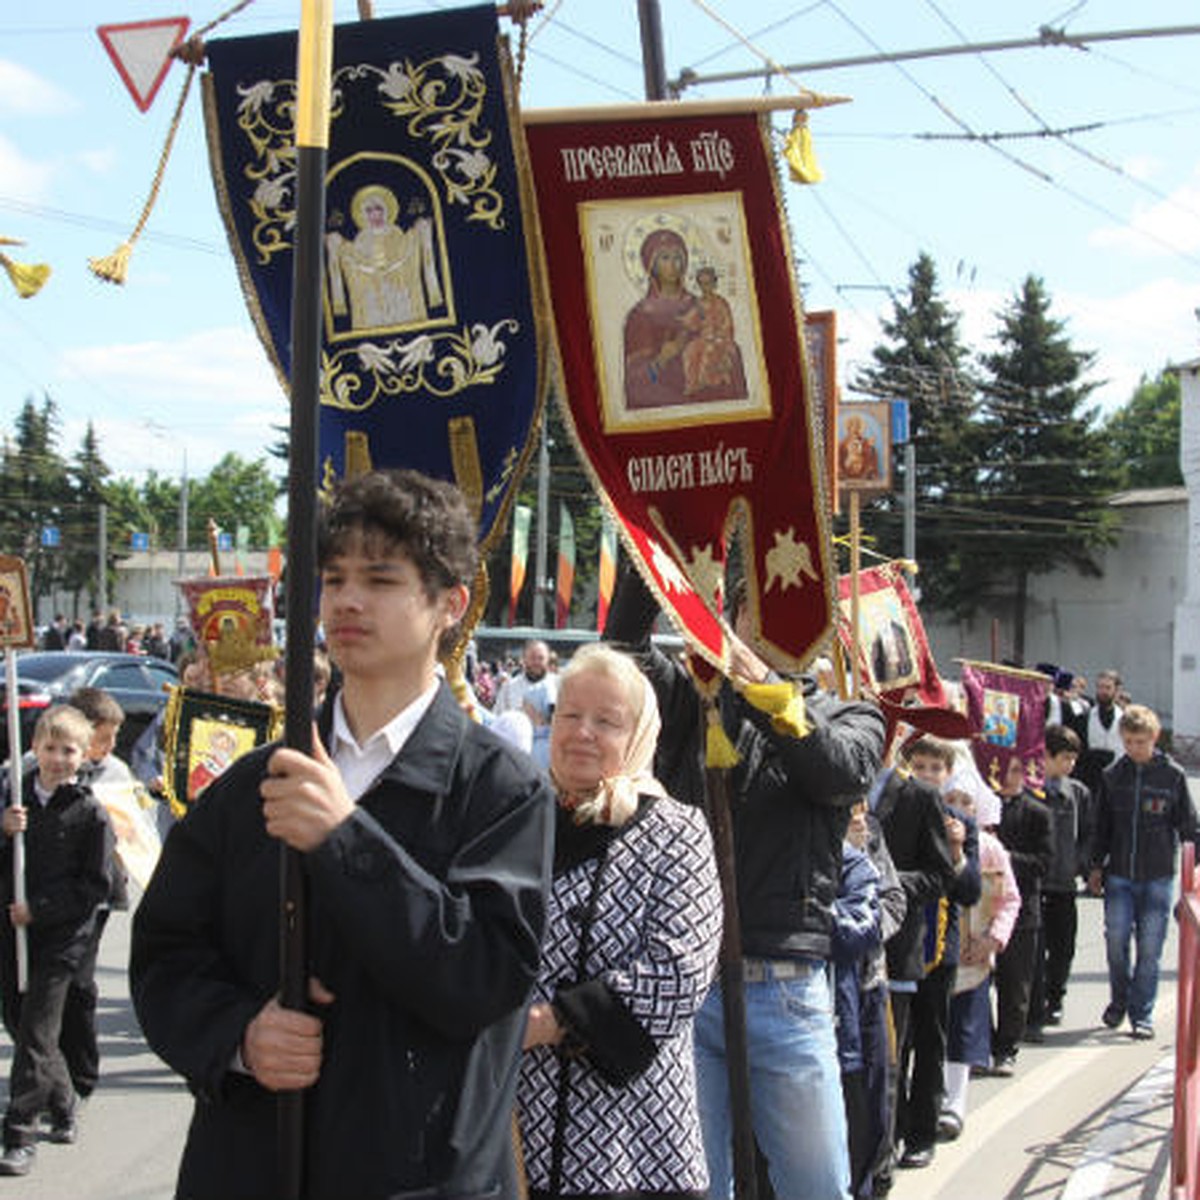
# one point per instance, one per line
(431, 336)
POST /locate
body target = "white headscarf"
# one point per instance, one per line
(615, 798)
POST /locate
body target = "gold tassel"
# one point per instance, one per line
(27, 278)
(798, 150)
(115, 267)
(783, 703)
(718, 749)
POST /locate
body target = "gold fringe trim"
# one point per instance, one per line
(719, 751)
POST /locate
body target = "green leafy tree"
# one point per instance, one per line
(89, 475)
(1045, 474)
(235, 492)
(36, 492)
(924, 361)
(1142, 436)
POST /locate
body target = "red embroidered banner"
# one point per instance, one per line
(680, 336)
(1007, 709)
(894, 659)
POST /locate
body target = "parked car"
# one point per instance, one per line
(137, 682)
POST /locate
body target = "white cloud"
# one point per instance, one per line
(1135, 333)
(1141, 166)
(22, 179)
(210, 393)
(212, 367)
(99, 162)
(1169, 227)
(26, 94)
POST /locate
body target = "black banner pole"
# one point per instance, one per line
(313, 71)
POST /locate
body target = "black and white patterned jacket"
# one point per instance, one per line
(614, 1109)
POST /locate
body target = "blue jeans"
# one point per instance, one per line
(1139, 909)
(796, 1104)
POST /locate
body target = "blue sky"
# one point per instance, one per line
(1108, 215)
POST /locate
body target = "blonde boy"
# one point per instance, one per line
(1143, 811)
(68, 843)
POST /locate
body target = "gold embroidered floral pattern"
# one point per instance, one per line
(435, 364)
(440, 100)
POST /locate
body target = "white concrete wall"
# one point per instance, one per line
(1186, 663)
(1125, 619)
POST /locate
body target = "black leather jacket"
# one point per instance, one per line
(790, 796)
(1142, 813)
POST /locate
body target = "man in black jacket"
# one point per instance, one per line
(1143, 811)
(791, 800)
(426, 846)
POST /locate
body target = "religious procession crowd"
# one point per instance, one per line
(521, 911)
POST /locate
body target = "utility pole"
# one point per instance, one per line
(102, 555)
(653, 61)
(183, 528)
(543, 527)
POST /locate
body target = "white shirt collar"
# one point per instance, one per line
(360, 765)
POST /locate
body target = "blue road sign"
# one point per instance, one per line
(899, 422)
(51, 536)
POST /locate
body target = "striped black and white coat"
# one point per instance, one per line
(614, 1109)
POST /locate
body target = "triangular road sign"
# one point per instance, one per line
(140, 51)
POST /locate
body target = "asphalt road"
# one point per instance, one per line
(1087, 1114)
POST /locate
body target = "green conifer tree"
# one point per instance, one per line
(1044, 474)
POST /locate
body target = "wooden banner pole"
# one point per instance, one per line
(855, 566)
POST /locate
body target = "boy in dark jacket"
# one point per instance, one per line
(68, 845)
(426, 848)
(925, 956)
(1028, 836)
(79, 1042)
(1070, 805)
(1143, 811)
(869, 909)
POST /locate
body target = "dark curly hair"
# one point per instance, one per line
(384, 512)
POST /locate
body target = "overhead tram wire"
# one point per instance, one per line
(85, 221)
(751, 45)
(758, 33)
(1014, 159)
(1047, 37)
(1062, 136)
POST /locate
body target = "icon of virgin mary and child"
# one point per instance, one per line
(679, 345)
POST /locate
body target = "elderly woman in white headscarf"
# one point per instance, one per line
(607, 1094)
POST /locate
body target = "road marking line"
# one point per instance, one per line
(1090, 1178)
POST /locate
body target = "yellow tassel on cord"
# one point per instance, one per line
(783, 703)
(27, 278)
(114, 268)
(718, 749)
(798, 150)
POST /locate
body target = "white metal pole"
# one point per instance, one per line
(15, 800)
